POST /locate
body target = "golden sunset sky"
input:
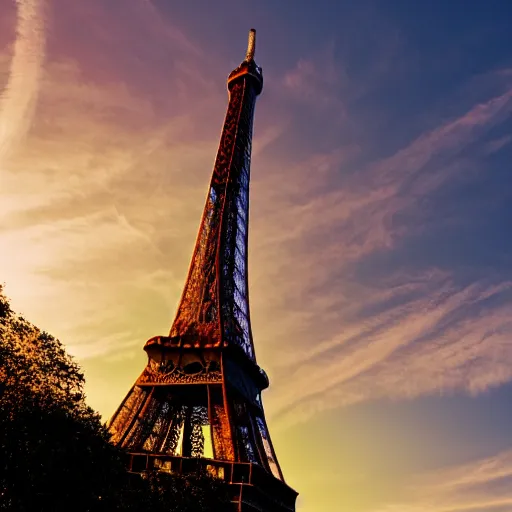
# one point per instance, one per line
(379, 253)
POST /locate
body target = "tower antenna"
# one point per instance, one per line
(251, 45)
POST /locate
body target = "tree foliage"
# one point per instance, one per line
(190, 493)
(55, 453)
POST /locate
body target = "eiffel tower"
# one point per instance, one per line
(197, 404)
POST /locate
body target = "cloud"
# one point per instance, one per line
(17, 101)
(374, 194)
(317, 83)
(90, 194)
(446, 140)
(350, 301)
(416, 331)
(497, 144)
(100, 213)
(480, 485)
(444, 340)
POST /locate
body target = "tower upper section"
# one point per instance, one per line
(214, 307)
(248, 68)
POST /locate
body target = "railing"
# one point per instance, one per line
(250, 484)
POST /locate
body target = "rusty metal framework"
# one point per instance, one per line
(199, 397)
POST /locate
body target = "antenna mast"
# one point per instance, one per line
(251, 45)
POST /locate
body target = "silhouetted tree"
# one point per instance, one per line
(54, 451)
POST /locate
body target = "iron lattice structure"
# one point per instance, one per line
(198, 401)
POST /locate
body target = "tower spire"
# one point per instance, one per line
(251, 45)
(197, 404)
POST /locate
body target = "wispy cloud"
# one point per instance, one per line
(17, 101)
(90, 192)
(480, 485)
(356, 209)
(104, 203)
(410, 350)
(317, 83)
(415, 332)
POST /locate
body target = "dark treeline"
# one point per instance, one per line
(55, 453)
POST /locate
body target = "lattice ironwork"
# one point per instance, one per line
(200, 395)
(174, 374)
(214, 307)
